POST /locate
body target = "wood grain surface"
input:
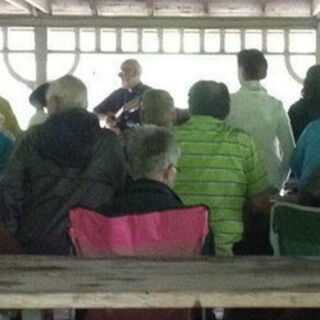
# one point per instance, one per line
(65, 282)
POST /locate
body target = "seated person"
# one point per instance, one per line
(220, 165)
(307, 109)
(306, 157)
(152, 155)
(66, 161)
(157, 108)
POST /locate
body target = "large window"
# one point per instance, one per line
(172, 59)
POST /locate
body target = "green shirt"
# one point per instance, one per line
(219, 167)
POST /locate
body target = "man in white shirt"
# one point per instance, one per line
(262, 116)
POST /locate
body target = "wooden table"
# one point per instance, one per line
(65, 282)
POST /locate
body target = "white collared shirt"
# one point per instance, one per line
(264, 117)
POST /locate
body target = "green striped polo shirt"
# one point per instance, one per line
(219, 167)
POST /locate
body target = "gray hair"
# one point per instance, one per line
(151, 150)
(157, 108)
(71, 92)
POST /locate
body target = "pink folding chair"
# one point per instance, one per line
(167, 233)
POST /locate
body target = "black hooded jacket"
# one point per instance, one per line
(65, 162)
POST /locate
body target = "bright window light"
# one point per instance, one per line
(302, 41)
(59, 64)
(191, 41)
(61, 39)
(232, 41)
(275, 41)
(24, 64)
(129, 40)
(108, 40)
(21, 39)
(211, 40)
(87, 40)
(1, 39)
(150, 40)
(171, 40)
(253, 39)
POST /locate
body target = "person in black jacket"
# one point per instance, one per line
(66, 161)
(307, 109)
(152, 156)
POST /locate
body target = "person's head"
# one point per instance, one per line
(66, 92)
(311, 85)
(130, 72)
(209, 98)
(252, 65)
(38, 96)
(157, 108)
(152, 153)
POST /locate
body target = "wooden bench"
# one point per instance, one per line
(65, 282)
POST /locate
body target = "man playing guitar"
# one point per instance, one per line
(121, 107)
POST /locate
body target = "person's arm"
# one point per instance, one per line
(110, 104)
(258, 186)
(286, 142)
(13, 186)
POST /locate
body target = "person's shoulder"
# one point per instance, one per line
(4, 104)
(313, 126)
(238, 137)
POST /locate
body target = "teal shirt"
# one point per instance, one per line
(219, 167)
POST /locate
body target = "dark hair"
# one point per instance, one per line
(38, 96)
(209, 98)
(311, 85)
(254, 64)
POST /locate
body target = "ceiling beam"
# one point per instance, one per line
(206, 6)
(160, 22)
(21, 4)
(42, 5)
(316, 7)
(150, 7)
(93, 7)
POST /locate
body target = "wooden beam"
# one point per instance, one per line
(93, 7)
(159, 22)
(316, 7)
(21, 4)
(206, 6)
(150, 7)
(42, 5)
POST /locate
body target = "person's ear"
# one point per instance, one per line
(169, 175)
(241, 75)
(54, 105)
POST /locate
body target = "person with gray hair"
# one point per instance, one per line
(121, 107)
(66, 161)
(152, 156)
(157, 108)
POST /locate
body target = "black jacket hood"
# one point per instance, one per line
(68, 137)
